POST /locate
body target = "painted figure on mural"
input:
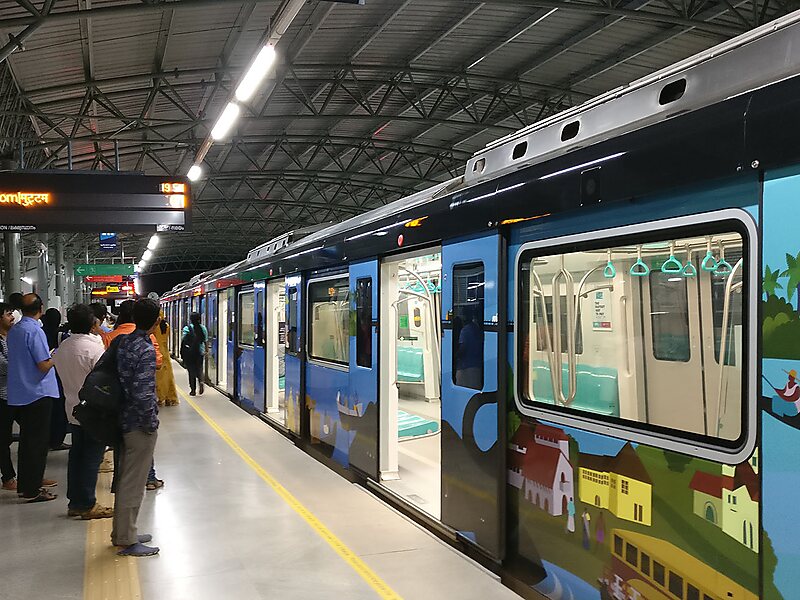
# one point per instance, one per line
(787, 402)
(600, 529)
(586, 519)
(571, 515)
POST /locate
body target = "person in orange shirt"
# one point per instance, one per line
(124, 326)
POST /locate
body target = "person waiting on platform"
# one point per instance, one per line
(51, 325)
(9, 475)
(136, 366)
(32, 389)
(74, 360)
(165, 378)
(15, 300)
(100, 311)
(193, 351)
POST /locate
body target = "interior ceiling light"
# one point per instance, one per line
(225, 121)
(256, 73)
(194, 173)
(148, 254)
(153, 243)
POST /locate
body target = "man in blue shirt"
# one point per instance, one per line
(136, 367)
(32, 388)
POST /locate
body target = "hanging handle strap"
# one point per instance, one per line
(609, 272)
(639, 268)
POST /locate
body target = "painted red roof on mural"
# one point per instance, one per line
(707, 483)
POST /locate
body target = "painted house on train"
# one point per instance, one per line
(539, 465)
(730, 501)
(618, 483)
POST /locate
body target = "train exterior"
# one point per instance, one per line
(579, 360)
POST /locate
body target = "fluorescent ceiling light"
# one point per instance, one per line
(194, 173)
(148, 254)
(27, 280)
(256, 73)
(142, 264)
(153, 243)
(225, 121)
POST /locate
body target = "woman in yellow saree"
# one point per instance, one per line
(165, 379)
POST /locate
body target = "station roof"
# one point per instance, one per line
(366, 103)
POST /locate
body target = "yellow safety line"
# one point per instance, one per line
(105, 574)
(350, 557)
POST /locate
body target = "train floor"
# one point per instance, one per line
(243, 514)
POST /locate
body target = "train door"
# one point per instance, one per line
(213, 333)
(259, 360)
(359, 411)
(275, 348)
(327, 389)
(410, 378)
(244, 346)
(473, 477)
(294, 388)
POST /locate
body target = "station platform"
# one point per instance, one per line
(243, 514)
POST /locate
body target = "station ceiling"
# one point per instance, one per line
(366, 103)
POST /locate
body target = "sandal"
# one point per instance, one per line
(44, 496)
(155, 484)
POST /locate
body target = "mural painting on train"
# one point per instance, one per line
(613, 520)
(780, 397)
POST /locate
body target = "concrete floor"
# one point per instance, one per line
(225, 533)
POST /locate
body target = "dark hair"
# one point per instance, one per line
(5, 307)
(99, 309)
(162, 326)
(15, 300)
(51, 320)
(33, 307)
(125, 314)
(194, 319)
(81, 318)
(145, 313)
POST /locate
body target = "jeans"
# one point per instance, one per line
(34, 437)
(6, 425)
(85, 457)
(151, 476)
(195, 368)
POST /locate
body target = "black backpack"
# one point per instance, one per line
(101, 399)
(190, 345)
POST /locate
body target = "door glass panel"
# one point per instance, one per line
(364, 322)
(468, 317)
(329, 320)
(292, 339)
(246, 324)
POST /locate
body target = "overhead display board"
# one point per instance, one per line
(71, 201)
(108, 242)
(104, 269)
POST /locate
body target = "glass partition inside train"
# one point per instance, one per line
(649, 335)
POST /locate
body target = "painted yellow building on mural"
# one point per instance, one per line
(619, 484)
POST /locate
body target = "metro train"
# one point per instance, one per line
(578, 361)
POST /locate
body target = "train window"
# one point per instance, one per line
(468, 318)
(292, 337)
(364, 322)
(259, 328)
(632, 554)
(659, 575)
(624, 333)
(246, 314)
(645, 566)
(669, 314)
(692, 593)
(675, 584)
(329, 320)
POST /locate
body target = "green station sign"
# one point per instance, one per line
(104, 269)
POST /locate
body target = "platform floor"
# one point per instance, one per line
(244, 514)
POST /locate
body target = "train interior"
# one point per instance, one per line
(650, 333)
(410, 378)
(274, 341)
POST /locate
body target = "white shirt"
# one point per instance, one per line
(17, 315)
(74, 360)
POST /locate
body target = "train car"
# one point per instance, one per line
(582, 351)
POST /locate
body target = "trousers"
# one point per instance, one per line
(6, 427)
(85, 457)
(34, 440)
(134, 465)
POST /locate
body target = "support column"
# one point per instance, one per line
(61, 270)
(13, 264)
(42, 268)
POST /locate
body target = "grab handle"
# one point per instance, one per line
(609, 272)
(672, 265)
(689, 270)
(709, 262)
(639, 268)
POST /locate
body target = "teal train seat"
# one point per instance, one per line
(409, 365)
(598, 389)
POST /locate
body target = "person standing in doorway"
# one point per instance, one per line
(9, 475)
(136, 366)
(193, 351)
(32, 389)
(74, 360)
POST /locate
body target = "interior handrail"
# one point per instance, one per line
(723, 340)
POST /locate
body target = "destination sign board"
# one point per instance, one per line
(103, 279)
(72, 201)
(104, 269)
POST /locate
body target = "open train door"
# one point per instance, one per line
(472, 453)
